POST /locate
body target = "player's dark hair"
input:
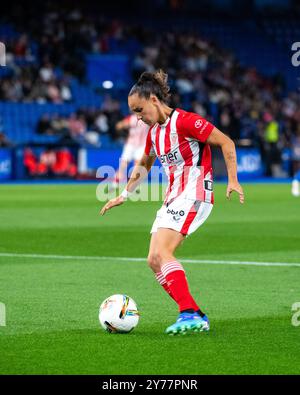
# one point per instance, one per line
(152, 83)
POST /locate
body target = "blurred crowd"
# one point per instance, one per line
(30, 84)
(50, 162)
(86, 126)
(252, 109)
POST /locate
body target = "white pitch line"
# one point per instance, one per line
(129, 259)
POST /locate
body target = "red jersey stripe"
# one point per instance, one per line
(187, 156)
(181, 146)
(189, 219)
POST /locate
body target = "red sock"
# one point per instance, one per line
(174, 273)
(163, 282)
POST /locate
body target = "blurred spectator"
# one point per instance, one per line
(4, 141)
(52, 125)
(77, 126)
(47, 160)
(79, 132)
(64, 164)
(65, 91)
(81, 128)
(53, 92)
(30, 162)
(101, 123)
(44, 125)
(27, 84)
(38, 166)
(59, 124)
(272, 155)
(205, 78)
(46, 73)
(50, 162)
(111, 108)
(21, 46)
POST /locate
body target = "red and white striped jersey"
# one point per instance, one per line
(180, 145)
(137, 131)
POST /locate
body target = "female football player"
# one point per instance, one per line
(181, 140)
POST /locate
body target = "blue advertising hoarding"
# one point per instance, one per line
(5, 164)
(249, 163)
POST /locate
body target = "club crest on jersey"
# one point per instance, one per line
(173, 138)
(198, 123)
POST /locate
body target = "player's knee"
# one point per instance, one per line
(154, 261)
(165, 254)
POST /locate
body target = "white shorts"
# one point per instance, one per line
(183, 215)
(130, 152)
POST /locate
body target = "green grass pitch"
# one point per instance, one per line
(52, 303)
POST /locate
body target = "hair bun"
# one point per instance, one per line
(146, 77)
(152, 83)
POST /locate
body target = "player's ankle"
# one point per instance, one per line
(191, 311)
(200, 312)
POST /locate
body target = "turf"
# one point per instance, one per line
(52, 304)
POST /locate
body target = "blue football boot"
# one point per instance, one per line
(206, 325)
(188, 322)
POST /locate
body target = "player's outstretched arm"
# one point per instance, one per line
(139, 172)
(228, 148)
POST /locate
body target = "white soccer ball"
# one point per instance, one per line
(119, 314)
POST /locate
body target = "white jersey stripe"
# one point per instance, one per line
(162, 133)
(185, 157)
(153, 136)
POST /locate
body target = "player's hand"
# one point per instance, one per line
(112, 203)
(235, 187)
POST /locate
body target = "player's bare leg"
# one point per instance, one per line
(154, 262)
(170, 274)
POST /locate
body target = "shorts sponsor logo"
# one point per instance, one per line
(177, 215)
(181, 212)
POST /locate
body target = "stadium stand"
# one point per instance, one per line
(221, 70)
